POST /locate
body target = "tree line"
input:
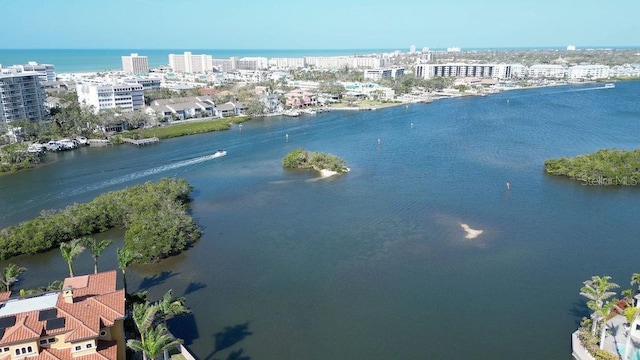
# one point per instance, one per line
(154, 215)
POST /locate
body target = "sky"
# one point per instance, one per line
(323, 24)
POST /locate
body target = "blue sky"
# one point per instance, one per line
(325, 24)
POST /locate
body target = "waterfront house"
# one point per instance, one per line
(300, 98)
(83, 321)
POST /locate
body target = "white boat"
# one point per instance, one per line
(609, 86)
(219, 153)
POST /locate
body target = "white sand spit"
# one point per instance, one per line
(471, 233)
(324, 173)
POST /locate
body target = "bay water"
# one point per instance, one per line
(374, 264)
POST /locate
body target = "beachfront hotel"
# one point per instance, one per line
(125, 96)
(21, 96)
(189, 63)
(135, 64)
(83, 321)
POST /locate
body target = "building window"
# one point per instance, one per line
(43, 341)
(103, 333)
(52, 340)
(78, 347)
(89, 345)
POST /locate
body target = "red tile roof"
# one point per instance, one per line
(96, 303)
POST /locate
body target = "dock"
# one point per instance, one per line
(98, 142)
(141, 142)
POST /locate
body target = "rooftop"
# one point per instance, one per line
(17, 306)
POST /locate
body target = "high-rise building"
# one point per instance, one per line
(135, 64)
(21, 96)
(46, 72)
(189, 63)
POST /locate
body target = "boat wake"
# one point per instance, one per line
(144, 173)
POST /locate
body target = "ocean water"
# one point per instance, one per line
(88, 60)
(374, 264)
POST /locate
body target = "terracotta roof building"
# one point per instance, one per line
(84, 321)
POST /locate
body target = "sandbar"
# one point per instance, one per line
(471, 233)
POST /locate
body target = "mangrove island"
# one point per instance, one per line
(326, 164)
(606, 167)
(154, 215)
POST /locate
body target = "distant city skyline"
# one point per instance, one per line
(331, 24)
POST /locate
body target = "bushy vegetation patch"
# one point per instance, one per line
(154, 215)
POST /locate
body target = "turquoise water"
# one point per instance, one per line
(633, 355)
(374, 264)
(85, 60)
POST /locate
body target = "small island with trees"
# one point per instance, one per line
(606, 167)
(326, 164)
(155, 216)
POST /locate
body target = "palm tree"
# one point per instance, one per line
(603, 313)
(70, 251)
(635, 280)
(168, 308)
(11, 274)
(125, 258)
(144, 315)
(597, 291)
(154, 344)
(96, 247)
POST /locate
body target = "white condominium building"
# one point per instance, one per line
(337, 62)
(46, 72)
(147, 82)
(551, 71)
(428, 71)
(127, 96)
(21, 96)
(589, 72)
(189, 63)
(135, 64)
(377, 74)
(286, 63)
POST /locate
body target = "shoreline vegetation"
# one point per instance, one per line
(605, 167)
(326, 164)
(154, 215)
(197, 126)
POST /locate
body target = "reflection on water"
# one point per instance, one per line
(374, 264)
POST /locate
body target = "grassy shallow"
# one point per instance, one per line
(606, 167)
(188, 128)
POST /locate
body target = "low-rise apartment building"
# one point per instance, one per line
(125, 96)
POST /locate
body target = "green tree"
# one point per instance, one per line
(635, 280)
(144, 316)
(125, 258)
(70, 251)
(169, 308)
(11, 274)
(96, 248)
(597, 290)
(156, 341)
